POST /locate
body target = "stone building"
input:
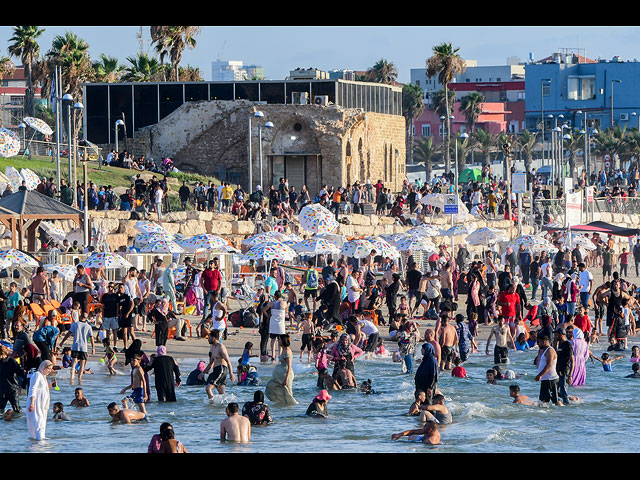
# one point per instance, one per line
(353, 133)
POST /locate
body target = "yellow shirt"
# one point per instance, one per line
(227, 193)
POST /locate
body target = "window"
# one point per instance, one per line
(426, 130)
(546, 89)
(440, 129)
(418, 82)
(498, 79)
(581, 88)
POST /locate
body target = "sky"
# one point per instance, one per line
(279, 49)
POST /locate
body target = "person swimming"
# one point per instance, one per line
(606, 361)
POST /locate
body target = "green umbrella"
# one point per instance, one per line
(470, 174)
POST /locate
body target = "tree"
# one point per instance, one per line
(6, 67)
(191, 74)
(572, 145)
(412, 108)
(471, 107)
(25, 47)
(445, 63)
(142, 68)
(382, 72)
(612, 141)
(172, 41)
(526, 142)
(107, 70)
(424, 152)
(485, 142)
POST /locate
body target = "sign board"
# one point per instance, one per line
(573, 209)
(451, 204)
(590, 191)
(518, 182)
(607, 160)
(568, 184)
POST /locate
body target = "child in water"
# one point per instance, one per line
(458, 371)
(636, 371)
(606, 361)
(58, 412)
(635, 354)
(109, 356)
(521, 343)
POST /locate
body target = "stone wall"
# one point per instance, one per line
(341, 145)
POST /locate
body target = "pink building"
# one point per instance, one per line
(493, 119)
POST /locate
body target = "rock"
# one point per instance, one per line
(174, 217)
(117, 240)
(242, 227)
(386, 221)
(190, 228)
(218, 227)
(223, 217)
(357, 219)
(198, 215)
(128, 228)
(171, 227)
(110, 224)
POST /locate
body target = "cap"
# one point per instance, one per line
(323, 395)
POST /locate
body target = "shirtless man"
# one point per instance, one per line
(430, 337)
(600, 297)
(448, 342)
(436, 412)
(235, 428)
(138, 385)
(124, 415)
(514, 392)
(219, 360)
(502, 334)
(446, 282)
(428, 434)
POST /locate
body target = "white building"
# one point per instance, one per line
(228, 71)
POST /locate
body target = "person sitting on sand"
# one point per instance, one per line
(427, 434)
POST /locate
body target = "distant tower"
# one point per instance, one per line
(140, 38)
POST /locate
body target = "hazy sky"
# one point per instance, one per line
(281, 49)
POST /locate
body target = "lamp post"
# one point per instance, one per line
(68, 98)
(634, 114)
(118, 123)
(611, 103)
(548, 80)
(22, 127)
(266, 125)
(58, 107)
(586, 148)
(77, 108)
(257, 114)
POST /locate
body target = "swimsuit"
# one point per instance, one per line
(218, 376)
(137, 395)
(607, 367)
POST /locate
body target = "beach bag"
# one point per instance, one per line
(250, 318)
(236, 318)
(312, 278)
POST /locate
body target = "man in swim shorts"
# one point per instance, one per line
(219, 360)
(428, 434)
(125, 415)
(502, 334)
(448, 341)
(138, 385)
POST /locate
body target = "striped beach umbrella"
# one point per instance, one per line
(315, 218)
(358, 248)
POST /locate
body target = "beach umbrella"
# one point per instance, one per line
(424, 230)
(17, 257)
(416, 244)
(38, 125)
(66, 271)
(358, 248)
(14, 177)
(105, 260)
(145, 239)
(315, 218)
(315, 246)
(383, 248)
(456, 230)
(149, 227)
(31, 180)
(270, 251)
(265, 238)
(486, 236)
(335, 238)
(433, 199)
(533, 243)
(9, 143)
(163, 246)
(204, 241)
(470, 174)
(577, 239)
(55, 231)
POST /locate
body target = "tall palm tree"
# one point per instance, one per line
(486, 143)
(572, 145)
(25, 46)
(382, 72)
(612, 141)
(172, 41)
(107, 70)
(424, 152)
(412, 108)
(6, 67)
(143, 68)
(526, 143)
(471, 107)
(445, 63)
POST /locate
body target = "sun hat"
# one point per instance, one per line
(323, 396)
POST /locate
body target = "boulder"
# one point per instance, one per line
(223, 217)
(242, 227)
(174, 217)
(198, 215)
(171, 227)
(357, 219)
(218, 227)
(110, 224)
(128, 228)
(386, 221)
(190, 228)
(116, 240)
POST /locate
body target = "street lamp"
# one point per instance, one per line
(22, 127)
(266, 125)
(68, 98)
(77, 108)
(257, 114)
(548, 80)
(119, 123)
(612, 82)
(463, 135)
(634, 114)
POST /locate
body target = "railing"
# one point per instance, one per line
(624, 205)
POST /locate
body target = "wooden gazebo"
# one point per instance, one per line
(22, 212)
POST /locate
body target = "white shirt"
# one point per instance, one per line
(368, 328)
(585, 278)
(546, 271)
(158, 195)
(352, 283)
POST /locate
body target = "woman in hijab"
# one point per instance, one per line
(164, 368)
(571, 293)
(345, 350)
(580, 353)
(38, 401)
(426, 378)
(193, 378)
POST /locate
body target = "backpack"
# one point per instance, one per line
(250, 318)
(312, 278)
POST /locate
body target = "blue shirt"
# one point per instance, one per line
(272, 284)
(47, 335)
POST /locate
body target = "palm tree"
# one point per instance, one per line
(440, 105)
(25, 46)
(412, 108)
(572, 145)
(382, 72)
(172, 41)
(633, 144)
(191, 74)
(445, 63)
(612, 141)
(142, 69)
(485, 142)
(107, 70)
(6, 67)
(471, 106)
(526, 143)
(424, 152)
